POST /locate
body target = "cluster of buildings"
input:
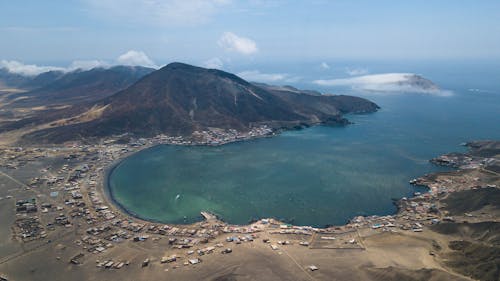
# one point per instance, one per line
(424, 208)
(219, 136)
(74, 199)
(29, 228)
(16, 157)
(464, 161)
(26, 206)
(213, 136)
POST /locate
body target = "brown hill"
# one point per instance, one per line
(179, 99)
(56, 88)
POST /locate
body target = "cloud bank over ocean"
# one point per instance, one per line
(257, 76)
(388, 83)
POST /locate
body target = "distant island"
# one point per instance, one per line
(389, 83)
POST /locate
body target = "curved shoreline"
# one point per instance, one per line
(110, 197)
(108, 192)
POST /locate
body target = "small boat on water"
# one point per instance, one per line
(177, 197)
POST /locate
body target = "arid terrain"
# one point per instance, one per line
(265, 140)
(59, 223)
(75, 233)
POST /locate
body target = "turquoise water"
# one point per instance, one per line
(317, 176)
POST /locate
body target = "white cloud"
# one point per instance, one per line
(26, 69)
(324, 65)
(32, 69)
(157, 12)
(257, 76)
(87, 64)
(215, 63)
(234, 43)
(135, 58)
(356, 71)
(131, 58)
(388, 83)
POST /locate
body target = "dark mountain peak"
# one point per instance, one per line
(181, 65)
(179, 99)
(179, 68)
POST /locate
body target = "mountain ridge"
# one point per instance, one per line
(179, 99)
(56, 87)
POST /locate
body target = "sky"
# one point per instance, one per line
(221, 33)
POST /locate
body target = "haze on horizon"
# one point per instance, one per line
(221, 33)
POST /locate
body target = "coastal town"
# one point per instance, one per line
(59, 191)
(224, 140)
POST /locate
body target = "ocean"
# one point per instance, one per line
(321, 175)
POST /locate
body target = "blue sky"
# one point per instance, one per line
(224, 32)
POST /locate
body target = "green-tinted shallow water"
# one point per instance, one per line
(317, 176)
(305, 177)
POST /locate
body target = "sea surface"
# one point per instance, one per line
(321, 175)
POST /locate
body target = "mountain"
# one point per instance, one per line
(55, 88)
(179, 99)
(414, 81)
(11, 80)
(27, 82)
(42, 80)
